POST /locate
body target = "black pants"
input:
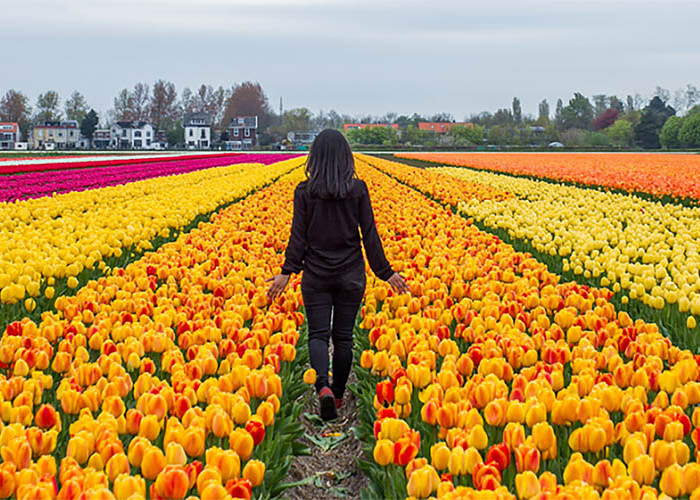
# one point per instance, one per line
(337, 298)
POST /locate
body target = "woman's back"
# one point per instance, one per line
(332, 237)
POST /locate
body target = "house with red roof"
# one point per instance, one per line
(9, 135)
(442, 127)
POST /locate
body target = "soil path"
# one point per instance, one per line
(331, 471)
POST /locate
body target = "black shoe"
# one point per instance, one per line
(327, 403)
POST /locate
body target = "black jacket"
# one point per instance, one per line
(325, 239)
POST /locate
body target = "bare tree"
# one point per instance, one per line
(124, 106)
(163, 105)
(141, 101)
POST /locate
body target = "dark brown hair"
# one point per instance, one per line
(330, 166)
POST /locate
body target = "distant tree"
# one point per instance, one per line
(176, 134)
(248, 99)
(89, 124)
(605, 119)
(163, 106)
(48, 106)
(296, 120)
(692, 96)
(467, 135)
(503, 116)
(329, 120)
(415, 136)
(573, 137)
(442, 117)
(616, 103)
(578, 113)
(124, 106)
(206, 99)
(76, 107)
(670, 131)
(141, 102)
(689, 134)
(372, 135)
(654, 116)
(620, 132)
(334, 120)
(14, 107)
(600, 104)
(630, 104)
(517, 110)
(500, 134)
(597, 139)
(559, 115)
(543, 117)
(662, 93)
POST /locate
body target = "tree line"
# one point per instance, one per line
(669, 120)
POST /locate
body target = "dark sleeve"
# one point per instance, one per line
(294, 255)
(370, 238)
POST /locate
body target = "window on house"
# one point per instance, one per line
(247, 132)
(124, 133)
(235, 131)
(191, 133)
(203, 134)
(148, 133)
(137, 133)
(71, 133)
(50, 133)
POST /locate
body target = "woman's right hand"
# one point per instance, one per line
(398, 283)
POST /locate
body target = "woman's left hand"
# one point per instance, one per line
(279, 282)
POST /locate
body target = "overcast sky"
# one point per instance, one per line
(354, 56)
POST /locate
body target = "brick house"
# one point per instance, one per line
(242, 132)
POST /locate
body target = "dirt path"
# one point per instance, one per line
(331, 471)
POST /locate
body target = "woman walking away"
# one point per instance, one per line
(329, 207)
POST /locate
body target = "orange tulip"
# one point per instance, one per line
(153, 463)
(172, 482)
(422, 482)
(254, 471)
(227, 461)
(116, 465)
(126, 486)
(527, 484)
(383, 452)
(241, 442)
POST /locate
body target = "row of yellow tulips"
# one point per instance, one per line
(495, 376)
(167, 378)
(643, 250)
(58, 237)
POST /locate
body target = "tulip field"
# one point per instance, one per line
(547, 349)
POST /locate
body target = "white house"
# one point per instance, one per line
(197, 130)
(132, 135)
